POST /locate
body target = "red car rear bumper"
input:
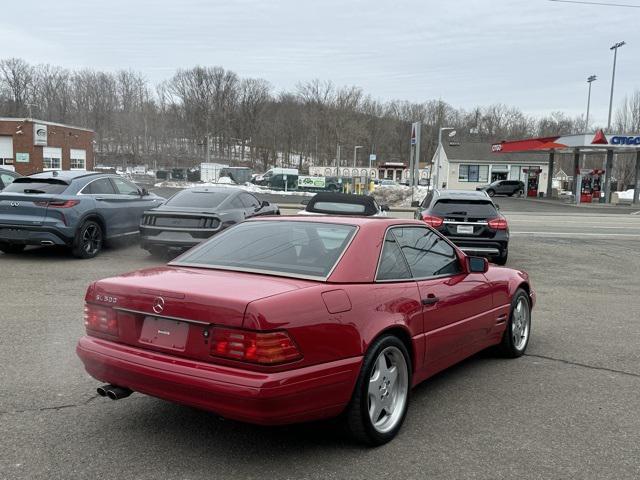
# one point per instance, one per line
(303, 394)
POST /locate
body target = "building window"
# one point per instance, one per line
(52, 163)
(78, 159)
(473, 173)
(51, 158)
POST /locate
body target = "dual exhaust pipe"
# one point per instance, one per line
(113, 392)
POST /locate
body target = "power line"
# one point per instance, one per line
(605, 4)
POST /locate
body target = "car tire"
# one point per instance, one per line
(516, 336)
(11, 248)
(385, 379)
(491, 193)
(521, 193)
(88, 241)
(502, 259)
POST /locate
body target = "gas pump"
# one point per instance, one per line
(591, 184)
(533, 176)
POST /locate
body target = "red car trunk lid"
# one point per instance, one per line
(172, 309)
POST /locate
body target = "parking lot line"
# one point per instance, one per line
(577, 234)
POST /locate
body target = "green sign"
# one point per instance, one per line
(22, 157)
(313, 182)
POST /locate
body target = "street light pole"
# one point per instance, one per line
(613, 79)
(436, 182)
(590, 80)
(355, 154)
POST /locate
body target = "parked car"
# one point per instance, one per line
(503, 187)
(195, 214)
(77, 209)
(469, 219)
(7, 177)
(385, 182)
(292, 319)
(343, 204)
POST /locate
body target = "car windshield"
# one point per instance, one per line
(289, 248)
(471, 208)
(197, 199)
(37, 185)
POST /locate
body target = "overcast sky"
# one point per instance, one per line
(534, 54)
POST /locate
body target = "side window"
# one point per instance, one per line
(249, 200)
(101, 186)
(235, 202)
(427, 200)
(125, 188)
(5, 179)
(426, 252)
(392, 266)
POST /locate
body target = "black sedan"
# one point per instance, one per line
(469, 219)
(193, 215)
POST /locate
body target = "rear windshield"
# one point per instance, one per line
(37, 185)
(472, 208)
(336, 207)
(286, 248)
(197, 199)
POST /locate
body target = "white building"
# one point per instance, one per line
(465, 166)
(390, 170)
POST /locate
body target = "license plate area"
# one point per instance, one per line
(165, 333)
(465, 229)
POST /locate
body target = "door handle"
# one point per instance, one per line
(99, 198)
(430, 300)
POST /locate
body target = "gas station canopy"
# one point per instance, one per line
(577, 144)
(569, 143)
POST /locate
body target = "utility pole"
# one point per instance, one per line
(590, 80)
(613, 80)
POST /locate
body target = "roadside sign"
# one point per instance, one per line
(312, 182)
(413, 134)
(22, 157)
(372, 157)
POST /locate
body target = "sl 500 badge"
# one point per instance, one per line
(106, 299)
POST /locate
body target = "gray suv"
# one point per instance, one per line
(503, 187)
(78, 209)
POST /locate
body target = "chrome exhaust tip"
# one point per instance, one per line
(113, 392)
(46, 242)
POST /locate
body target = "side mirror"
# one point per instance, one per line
(144, 192)
(384, 208)
(477, 264)
(497, 206)
(264, 204)
(415, 204)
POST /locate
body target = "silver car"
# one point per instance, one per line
(77, 209)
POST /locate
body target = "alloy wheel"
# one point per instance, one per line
(520, 324)
(91, 239)
(388, 389)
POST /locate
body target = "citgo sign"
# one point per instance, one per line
(621, 140)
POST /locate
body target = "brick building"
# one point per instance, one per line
(30, 146)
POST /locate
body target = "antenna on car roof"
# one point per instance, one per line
(55, 173)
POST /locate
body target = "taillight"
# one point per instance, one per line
(433, 221)
(255, 347)
(499, 223)
(100, 319)
(57, 203)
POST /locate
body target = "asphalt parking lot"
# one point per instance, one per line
(568, 409)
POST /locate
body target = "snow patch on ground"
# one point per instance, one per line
(249, 187)
(399, 195)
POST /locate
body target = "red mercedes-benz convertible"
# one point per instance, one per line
(289, 319)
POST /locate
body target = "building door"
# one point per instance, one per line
(6, 153)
